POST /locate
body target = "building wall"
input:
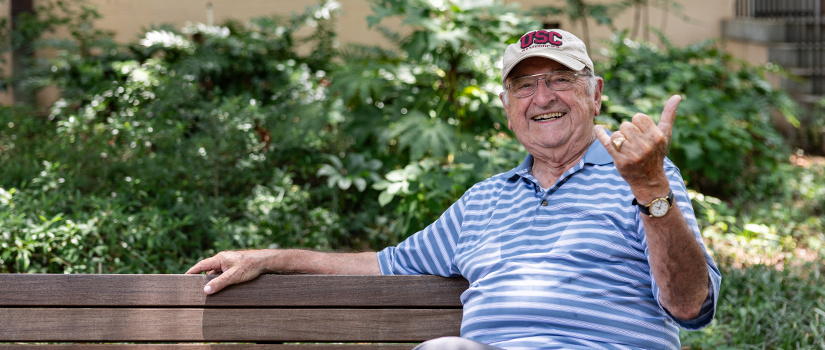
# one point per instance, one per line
(697, 20)
(128, 19)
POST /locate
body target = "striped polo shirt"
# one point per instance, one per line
(562, 268)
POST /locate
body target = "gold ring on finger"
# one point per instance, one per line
(617, 143)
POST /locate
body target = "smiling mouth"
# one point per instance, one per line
(548, 116)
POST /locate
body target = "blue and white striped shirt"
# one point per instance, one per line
(565, 268)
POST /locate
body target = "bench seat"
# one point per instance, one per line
(271, 312)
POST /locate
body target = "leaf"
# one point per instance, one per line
(395, 187)
(396, 175)
(373, 164)
(360, 184)
(454, 37)
(384, 198)
(422, 135)
(381, 185)
(327, 170)
(344, 183)
(335, 161)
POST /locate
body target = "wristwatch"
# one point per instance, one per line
(658, 207)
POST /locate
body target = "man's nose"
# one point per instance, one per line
(544, 94)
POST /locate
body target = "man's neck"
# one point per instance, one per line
(549, 166)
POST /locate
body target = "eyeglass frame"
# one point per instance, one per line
(539, 76)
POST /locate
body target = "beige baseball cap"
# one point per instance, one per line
(555, 44)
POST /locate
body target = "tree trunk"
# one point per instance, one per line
(22, 54)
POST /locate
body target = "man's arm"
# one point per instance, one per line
(676, 258)
(241, 266)
(678, 263)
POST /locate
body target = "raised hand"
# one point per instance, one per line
(639, 148)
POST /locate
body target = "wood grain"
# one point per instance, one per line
(395, 346)
(265, 291)
(226, 325)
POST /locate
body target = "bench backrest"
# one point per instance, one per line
(272, 309)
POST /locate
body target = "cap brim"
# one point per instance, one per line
(559, 57)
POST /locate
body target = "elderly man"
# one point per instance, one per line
(590, 243)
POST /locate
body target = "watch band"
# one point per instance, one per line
(645, 209)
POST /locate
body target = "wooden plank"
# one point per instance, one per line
(265, 291)
(226, 325)
(208, 346)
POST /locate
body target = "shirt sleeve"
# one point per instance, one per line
(708, 310)
(430, 251)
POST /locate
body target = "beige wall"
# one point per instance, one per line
(703, 21)
(753, 53)
(129, 18)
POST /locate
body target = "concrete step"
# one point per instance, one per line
(807, 72)
(791, 55)
(771, 31)
(754, 30)
(796, 44)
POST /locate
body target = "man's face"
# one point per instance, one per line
(548, 120)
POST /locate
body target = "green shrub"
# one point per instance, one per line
(723, 140)
(429, 110)
(158, 152)
(761, 307)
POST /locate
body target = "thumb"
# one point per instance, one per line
(669, 116)
(220, 282)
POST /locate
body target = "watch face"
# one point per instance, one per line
(659, 207)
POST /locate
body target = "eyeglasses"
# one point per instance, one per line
(555, 80)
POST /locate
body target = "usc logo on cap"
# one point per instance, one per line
(540, 37)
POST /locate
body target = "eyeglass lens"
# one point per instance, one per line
(525, 86)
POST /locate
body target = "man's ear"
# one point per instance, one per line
(597, 95)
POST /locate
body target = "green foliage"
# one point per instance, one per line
(581, 11)
(205, 138)
(160, 151)
(277, 215)
(428, 109)
(723, 139)
(770, 255)
(793, 219)
(813, 129)
(357, 171)
(761, 307)
(74, 17)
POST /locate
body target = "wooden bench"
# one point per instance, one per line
(278, 312)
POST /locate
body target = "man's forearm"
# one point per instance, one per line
(678, 263)
(313, 262)
(241, 266)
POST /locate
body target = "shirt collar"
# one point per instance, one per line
(596, 154)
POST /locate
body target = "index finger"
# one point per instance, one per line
(204, 265)
(669, 115)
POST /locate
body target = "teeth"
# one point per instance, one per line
(548, 116)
